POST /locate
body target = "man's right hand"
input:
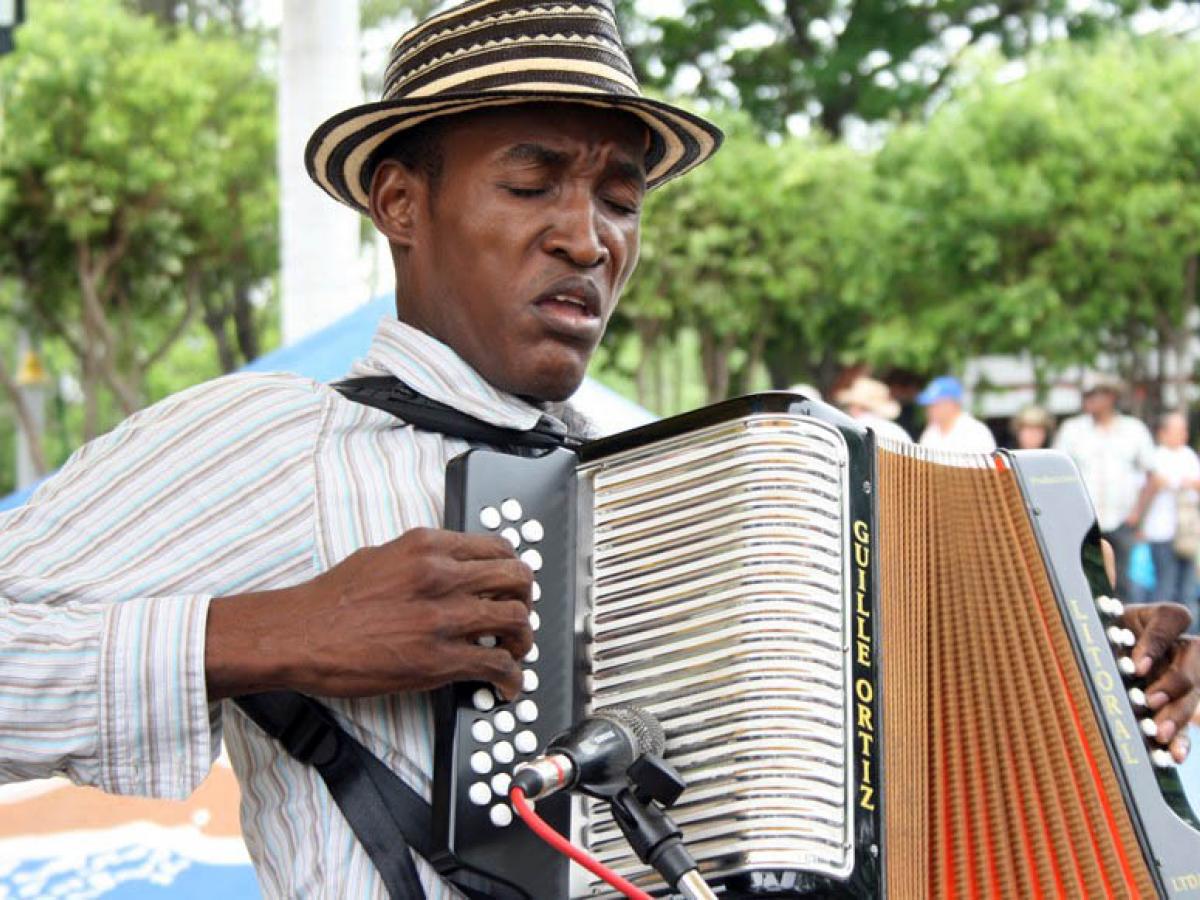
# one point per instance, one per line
(404, 616)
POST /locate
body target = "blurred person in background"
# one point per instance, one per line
(1166, 512)
(1032, 428)
(1114, 453)
(950, 427)
(870, 402)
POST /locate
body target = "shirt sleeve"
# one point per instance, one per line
(107, 572)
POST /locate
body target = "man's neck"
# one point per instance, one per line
(948, 425)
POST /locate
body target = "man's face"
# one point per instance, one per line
(519, 254)
(943, 412)
(1100, 404)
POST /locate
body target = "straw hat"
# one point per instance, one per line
(871, 395)
(490, 53)
(1032, 417)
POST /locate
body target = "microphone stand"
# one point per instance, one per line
(640, 812)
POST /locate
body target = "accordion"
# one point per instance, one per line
(882, 672)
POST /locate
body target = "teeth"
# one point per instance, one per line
(562, 298)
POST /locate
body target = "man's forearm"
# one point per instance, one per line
(250, 645)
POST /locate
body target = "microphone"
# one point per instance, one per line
(593, 754)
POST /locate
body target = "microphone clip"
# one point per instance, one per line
(640, 812)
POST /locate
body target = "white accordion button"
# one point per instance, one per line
(1110, 606)
(1137, 696)
(1121, 637)
(486, 640)
(527, 711)
(501, 815)
(1149, 727)
(525, 742)
(482, 731)
(512, 536)
(503, 753)
(480, 794)
(533, 559)
(483, 699)
(1162, 758)
(504, 721)
(533, 531)
(535, 621)
(1126, 666)
(536, 592)
(489, 517)
(529, 681)
(501, 782)
(481, 763)
(511, 509)
(533, 654)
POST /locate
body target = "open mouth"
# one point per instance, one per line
(571, 308)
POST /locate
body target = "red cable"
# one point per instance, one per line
(539, 827)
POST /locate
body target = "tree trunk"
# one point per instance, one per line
(215, 314)
(648, 333)
(714, 352)
(33, 439)
(244, 324)
(1183, 334)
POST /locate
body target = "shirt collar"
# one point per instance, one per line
(431, 368)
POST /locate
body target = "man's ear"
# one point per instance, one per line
(397, 201)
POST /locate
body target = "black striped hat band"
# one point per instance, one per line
(488, 53)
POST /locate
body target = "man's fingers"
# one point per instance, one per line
(1157, 627)
(493, 665)
(473, 617)
(458, 545)
(1180, 747)
(1172, 719)
(507, 578)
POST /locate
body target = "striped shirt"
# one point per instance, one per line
(250, 482)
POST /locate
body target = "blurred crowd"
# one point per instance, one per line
(1145, 487)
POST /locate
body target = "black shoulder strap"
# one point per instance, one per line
(394, 396)
(385, 814)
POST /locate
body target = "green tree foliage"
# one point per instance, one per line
(1057, 215)
(765, 254)
(831, 59)
(137, 189)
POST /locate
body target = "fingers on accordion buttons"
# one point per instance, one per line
(504, 721)
(480, 794)
(481, 762)
(511, 509)
(1161, 758)
(1126, 666)
(486, 640)
(482, 731)
(1137, 697)
(501, 815)
(1121, 637)
(533, 531)
(489, 518)
(1149, 727)
(483, 699)
(512, 536)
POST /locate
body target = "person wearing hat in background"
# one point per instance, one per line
(1032, 428)
(870, 402)
(950, 427)
(263, 532)
(1114, 453)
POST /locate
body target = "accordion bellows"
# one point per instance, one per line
(1002, 784)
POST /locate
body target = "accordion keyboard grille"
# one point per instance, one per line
(997, 781)
(717, 589)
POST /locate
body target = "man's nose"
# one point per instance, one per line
(576, 234)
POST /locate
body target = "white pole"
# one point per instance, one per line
(319, 74)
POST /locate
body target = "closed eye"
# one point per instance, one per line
(524, 192)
